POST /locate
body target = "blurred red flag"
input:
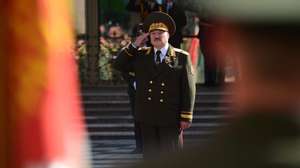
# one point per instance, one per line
(40, 120)
(194, 51)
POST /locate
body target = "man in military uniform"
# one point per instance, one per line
(165, 87)
(266, 130)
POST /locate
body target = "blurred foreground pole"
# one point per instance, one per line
(40, 115)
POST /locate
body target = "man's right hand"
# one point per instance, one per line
(141, 40)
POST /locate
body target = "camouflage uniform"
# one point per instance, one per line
(107, 55)
(82, 63)
(104, 65)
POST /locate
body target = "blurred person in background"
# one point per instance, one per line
(213, 69)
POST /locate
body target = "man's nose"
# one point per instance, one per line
(156, 35)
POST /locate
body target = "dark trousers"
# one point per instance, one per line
(159, 140)
(138, 136)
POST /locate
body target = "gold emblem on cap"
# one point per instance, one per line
(158, 26)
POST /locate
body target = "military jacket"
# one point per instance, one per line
(165, 93)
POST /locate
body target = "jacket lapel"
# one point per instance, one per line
(171, 57)
(150, 64)
(168, 62)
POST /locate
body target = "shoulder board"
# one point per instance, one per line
(144, 48)
(147, 50)
(181, 51)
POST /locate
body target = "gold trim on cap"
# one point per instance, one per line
(158, 26)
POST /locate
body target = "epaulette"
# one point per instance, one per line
(145, 49)
(181, 51)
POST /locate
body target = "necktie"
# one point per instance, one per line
(157, 59)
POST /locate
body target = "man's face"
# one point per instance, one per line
(159, 38)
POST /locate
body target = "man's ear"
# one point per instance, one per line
(168, 34)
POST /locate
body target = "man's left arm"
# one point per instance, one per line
(188, 92)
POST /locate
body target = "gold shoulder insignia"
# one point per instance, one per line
(181, 51)
(144, 48)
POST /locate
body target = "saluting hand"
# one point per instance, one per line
(141, 40)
